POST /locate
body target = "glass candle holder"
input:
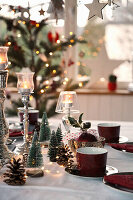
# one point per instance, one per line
(3, 58)
(25, 82)
(67, 102)
(25, 87)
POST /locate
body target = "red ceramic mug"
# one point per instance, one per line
(110, 131)
(33, 116)
(92, 161)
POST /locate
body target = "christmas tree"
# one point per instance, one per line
(59, 135)
(53, 147)
(45, 131)
(45, 118)
(35, 158)
(32, 45)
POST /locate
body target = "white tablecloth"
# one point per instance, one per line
(58, 185)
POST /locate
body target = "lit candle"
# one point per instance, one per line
(25, 87)
(68, 100)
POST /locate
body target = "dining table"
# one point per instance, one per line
(57, 184)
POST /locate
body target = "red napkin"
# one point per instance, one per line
(17, 134)
(121, 180)
(127, 147)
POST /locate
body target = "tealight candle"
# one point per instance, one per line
(68, 100)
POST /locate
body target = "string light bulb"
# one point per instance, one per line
(58, 41)
(71, 33)
(47, 65)
(9, 43)
(37, 52)
(47, 82)
(50, 53)
(19, 35)
(64, 82)
(80, 84)
(37, 25)
(72, 41)
(66, 79)
(42, 91)
(54, 71)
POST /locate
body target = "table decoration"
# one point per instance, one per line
(125, 147)
(67, 104)
(45, 132)
(53, 147)
(122, 181)
(25, 88)
(15, 174)
(86, 137)
(64, 156)
(4, 131)
(35, 158)
(59, 135)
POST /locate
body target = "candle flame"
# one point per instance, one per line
(25, 85)
(68, 98)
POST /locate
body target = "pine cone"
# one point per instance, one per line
(64, 155)
(15, 174)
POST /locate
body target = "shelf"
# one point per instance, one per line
(103, 92)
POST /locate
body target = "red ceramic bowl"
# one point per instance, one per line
(33, 116)
(110, 131)
(92, 161)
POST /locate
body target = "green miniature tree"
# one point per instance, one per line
(35, 158)
(45, 131)
(59, 135)
(53, 147)
(45, 118)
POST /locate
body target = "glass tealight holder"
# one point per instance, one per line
(67, 102)
(3, 58)
(25, 82)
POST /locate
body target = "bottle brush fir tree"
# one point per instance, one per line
(35, 158)
(59, 135)
(53, 147)
(15, 175)
(45, 131)
(45, 118)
